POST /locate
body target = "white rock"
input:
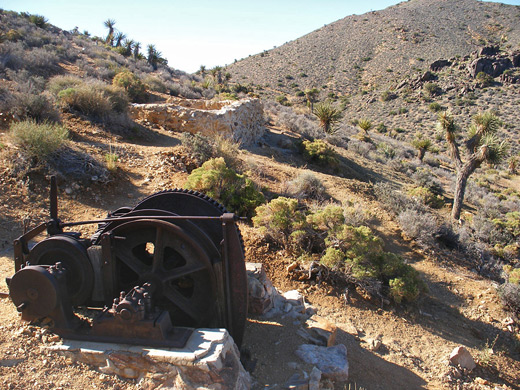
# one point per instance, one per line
(314, 380)
(294, 297)
(460, 356)
(331, 361)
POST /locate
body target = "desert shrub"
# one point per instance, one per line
(513, 274)
(279, 218)
(237, 192)
(320, 152)
(386, 150)
(395, 201)
(358, 252)
(187, 91)
(307, 186)
(156, 84)
(339, 138)
(94, 99)
(40, 107)
(387, 96)
(133, 86)
(228, 149)
(282, 99)
(38, 20)
(435, 107)
(484, 79)
(198, 145)
(354, 253)
(59, 83)
(328, 219)
(381, 128)
(355, 214)
(432, 89)
(425, 178)
(509, 223)
(420, 226)
(38, 140)
(427, 197)
(510, 295)
(360, 147)
(298, 123)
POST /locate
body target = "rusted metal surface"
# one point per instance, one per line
(173, 262)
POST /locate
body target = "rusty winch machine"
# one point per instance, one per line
(154, 272)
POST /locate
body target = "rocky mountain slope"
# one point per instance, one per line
(380, 48)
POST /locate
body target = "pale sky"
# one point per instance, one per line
(205, 32)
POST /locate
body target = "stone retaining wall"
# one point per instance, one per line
(242, 120)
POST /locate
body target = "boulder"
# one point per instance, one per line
(439, 64)
(461, 357)
(261, 290)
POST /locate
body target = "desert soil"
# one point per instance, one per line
(461, 308)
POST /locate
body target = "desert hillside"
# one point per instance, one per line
(356, 213)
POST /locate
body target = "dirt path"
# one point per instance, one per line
(460, 309)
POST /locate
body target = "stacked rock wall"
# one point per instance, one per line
(241, 120)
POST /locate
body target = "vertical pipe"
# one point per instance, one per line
(54, 199)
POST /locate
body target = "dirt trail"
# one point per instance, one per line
(461, 308)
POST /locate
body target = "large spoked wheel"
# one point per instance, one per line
(177, 267)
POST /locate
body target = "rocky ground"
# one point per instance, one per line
(389, 347)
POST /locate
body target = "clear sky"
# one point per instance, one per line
(191, 33)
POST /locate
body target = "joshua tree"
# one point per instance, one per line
(202, 71)
(128, 44)
(364, 124)
(312, 95)
(154, 57)
(137, 47)
(328, 116)
(482, 145)
(109, 23)
(119, 38)
(422, 145)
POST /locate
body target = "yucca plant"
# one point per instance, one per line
(422, 145)
(328, 116)
(364, 124)
(482, 145)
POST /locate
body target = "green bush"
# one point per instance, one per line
(279, 219)
(320, 152)
(432, 89)
(364, 259)
(435, 107)
(132, 85)
(354, 252)
(59, 83)
(427, 197)
(327, 219)
(94, 99)
(387, 96)
(38, 140)
(282, 99)
(485, 79)
(237, 192)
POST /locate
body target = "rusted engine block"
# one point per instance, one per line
(173, 262)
